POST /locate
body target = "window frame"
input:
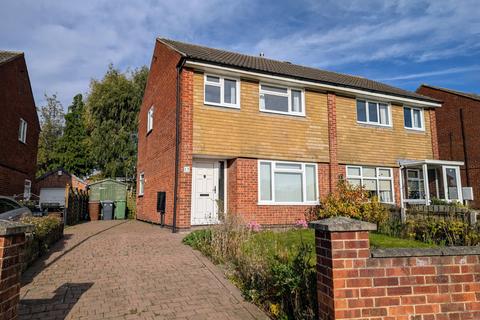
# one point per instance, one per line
(273, 169)
(419, 179)
(221, 84)
(27, 186)
(22, 131)
(422, 118)
(377, 177)
(371, 123)
(288, 95)
(150, 116)
(141, 184)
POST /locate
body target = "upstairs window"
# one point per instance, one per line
(22, 131)
(222, 91)
(281, 100)
(141, 184)
(376, 113)
(150, 120)
(413, 118)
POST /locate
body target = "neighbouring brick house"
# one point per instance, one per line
(458, 123)
(226, 132)
(19, 126)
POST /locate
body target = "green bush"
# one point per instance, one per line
(350, 201)
(47, 230)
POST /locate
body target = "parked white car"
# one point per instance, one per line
(12, 210)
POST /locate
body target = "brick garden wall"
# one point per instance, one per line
(355, 282)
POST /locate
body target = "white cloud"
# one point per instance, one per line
(433, 73)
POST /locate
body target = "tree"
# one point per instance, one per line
(72, 150)
(51, 123)
(112, 115)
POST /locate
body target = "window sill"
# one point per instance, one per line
(288, 203)
(212, 104)
(298, 115)
(374, 126)
(413, 130)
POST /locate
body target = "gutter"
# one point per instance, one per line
(177, 143)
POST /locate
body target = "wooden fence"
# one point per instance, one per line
(76, 206)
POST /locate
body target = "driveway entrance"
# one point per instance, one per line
(128, 270)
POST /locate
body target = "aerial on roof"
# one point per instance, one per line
(281, 68)
(473, 96)
(8, 55)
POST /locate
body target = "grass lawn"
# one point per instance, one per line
(269, 243)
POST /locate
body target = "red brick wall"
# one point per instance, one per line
(156, 151)
(242, 195)
(16, 101)
(449, 133)
(10, 267)
(354, 285)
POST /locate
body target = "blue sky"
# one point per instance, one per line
(403, 43)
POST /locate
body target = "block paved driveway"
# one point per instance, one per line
(128, 270)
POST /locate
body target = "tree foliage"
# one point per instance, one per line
(52, 125)
(112, 115)
(72, 150)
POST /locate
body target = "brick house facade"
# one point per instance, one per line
(18, 159)
(452, 143)
(59, 179)
(234, 156)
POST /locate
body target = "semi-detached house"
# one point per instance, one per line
(222, 132)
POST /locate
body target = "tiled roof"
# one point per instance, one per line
(8, 55)
(473, 96)
(286, 69)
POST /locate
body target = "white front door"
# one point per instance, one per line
(204, 192)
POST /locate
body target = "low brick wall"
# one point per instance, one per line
(12, 240)
(355, 282)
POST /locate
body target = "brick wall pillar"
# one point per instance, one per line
(12, 238)
(342, 247)
(332, 140)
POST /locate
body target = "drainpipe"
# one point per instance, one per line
(177, 144)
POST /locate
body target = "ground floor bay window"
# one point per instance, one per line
(378, 181)
(283, 182)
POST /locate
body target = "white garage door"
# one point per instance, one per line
(52, 195)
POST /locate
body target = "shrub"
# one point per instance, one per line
(281, 280)
(351, 201)
(47, 230)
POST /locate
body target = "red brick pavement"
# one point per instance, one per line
(128, 270)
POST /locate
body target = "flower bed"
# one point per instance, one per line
(47, 231)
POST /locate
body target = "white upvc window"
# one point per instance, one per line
(415, 184)
(22, 131)
(222, 91)
(281, 182)
(413, 118)
(377, 181)
(150, 119)
(283, 100)
(27, 189)
(141, 184)
(372, 112)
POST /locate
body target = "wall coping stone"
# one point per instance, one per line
(9, 228)
(425, 252)
(340, 224)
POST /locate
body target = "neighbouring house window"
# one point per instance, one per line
(141, 184)
(415, 185)
(27, 189)
(150, 119)
(371, 112)
(22, 131)
(287, 182)
(413, 118)
(282, 100)
(222, 91)
(377, 181)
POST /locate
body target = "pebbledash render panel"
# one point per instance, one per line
(267, 140)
